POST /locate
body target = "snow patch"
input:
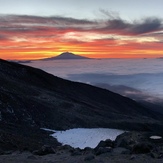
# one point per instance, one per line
(46, 129)
(84, 137)
(155, 137)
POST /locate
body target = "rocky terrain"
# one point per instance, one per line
(128, 147)
(31, 99)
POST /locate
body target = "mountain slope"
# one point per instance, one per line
(32, 97)
(66, 55)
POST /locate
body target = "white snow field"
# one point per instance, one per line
(84, 137)
(155, 137)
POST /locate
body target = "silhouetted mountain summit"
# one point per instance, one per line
(32, 97)
(66, 55)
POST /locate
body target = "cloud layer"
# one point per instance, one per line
(25, 37)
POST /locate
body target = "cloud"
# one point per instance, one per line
(110, 25)
(147, 25)
(114, 24)
(108, 35)
(3, 38)
(117, 24)
(110, 14)
(122, 27)
(36, 21)
(131, 82)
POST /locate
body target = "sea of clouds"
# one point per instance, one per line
(124, 75)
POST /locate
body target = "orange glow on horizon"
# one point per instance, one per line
(89, 49)
(37, 40)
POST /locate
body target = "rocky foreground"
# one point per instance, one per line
(136, 147)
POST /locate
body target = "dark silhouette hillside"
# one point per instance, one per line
(32, 97)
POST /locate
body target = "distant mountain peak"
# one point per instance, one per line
(66, 55)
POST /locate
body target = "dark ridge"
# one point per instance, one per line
(32, 97)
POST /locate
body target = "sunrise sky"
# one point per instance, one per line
(34, 29)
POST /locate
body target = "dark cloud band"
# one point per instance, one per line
(110, 25)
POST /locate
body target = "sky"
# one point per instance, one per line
(34, 29)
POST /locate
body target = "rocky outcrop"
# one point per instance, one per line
(139, 142)
(44, 150)
(16, 137)
(136, 151)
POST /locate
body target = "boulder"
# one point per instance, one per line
(120, 150)
(141, 148)
(44, 150)
(89, 157)
(76, 152)
(102, 150)
(1, 152)
(130, 139)
(87, 150)
(66, 147)
(106, 143)
(126, 140)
